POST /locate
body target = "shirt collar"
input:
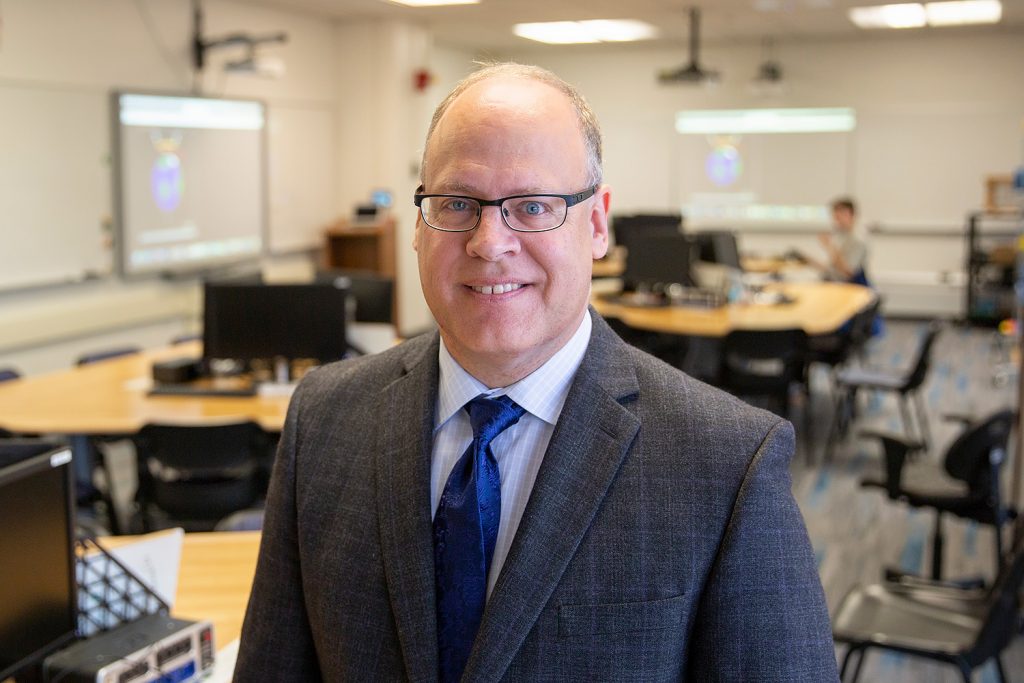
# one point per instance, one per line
(542, 393)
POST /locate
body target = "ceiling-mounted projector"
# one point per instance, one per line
(692, 72)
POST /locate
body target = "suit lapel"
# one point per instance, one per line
(589, 443)
(406, 410)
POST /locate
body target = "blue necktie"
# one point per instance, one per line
(465, 531)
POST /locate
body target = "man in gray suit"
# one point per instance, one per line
(625, 522)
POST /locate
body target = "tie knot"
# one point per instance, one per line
(492, 416)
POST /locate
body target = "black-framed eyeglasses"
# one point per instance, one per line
(521, 212)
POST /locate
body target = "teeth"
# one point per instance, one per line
(496, 289)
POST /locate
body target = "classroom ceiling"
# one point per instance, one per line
(488, 25)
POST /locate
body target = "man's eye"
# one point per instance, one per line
(457, 205)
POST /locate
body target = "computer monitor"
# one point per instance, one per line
(268, 321)
(372, 293)
(38, 608)
(627, 229)
(658, 260)
(718, 246)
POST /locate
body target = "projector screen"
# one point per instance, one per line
(189, 182)
(763, 166)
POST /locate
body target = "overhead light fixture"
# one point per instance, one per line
(589, 31)
(740, 121)
(905, 15)
(916, 15)
(434, 3)
(964, 12)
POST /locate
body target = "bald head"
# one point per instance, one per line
(506, 75)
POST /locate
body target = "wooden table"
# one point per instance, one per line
(110, 397)
(214, 577)
(819, 308)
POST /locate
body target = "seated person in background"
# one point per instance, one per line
(846, 252)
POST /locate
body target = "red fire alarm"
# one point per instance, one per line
(421, 79)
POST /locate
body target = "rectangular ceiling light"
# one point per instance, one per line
(740, 121)
(966, 12)
(915, 15)
(434, 3)
(906, 15)
(590, 31)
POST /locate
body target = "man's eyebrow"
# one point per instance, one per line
(462, 188)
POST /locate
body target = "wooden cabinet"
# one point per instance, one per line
(358, 245)
(361, 246)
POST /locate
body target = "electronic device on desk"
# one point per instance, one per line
(280, 322)
(38, 605)
(658, 259)
(153, 649)
(672, 295)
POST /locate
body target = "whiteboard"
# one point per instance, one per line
(301, 176)
(55, 192)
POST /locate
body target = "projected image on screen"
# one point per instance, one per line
(763, 166)
(191, 182)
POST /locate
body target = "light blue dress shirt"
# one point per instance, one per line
(520, 449)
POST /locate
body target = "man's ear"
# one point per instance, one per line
(599, 221)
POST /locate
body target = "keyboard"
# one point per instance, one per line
(188, 389)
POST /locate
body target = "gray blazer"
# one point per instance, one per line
(661, 540)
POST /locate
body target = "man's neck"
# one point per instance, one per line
(495, 370)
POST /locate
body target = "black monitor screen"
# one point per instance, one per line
(658, 260)
(37, 578)
(718, 247)
(627, 229)
(251, 321)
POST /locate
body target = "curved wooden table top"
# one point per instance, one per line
(818, 308)
(111, 397)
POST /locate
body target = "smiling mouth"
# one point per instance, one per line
(496, 289)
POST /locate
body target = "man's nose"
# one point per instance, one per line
(492, 239)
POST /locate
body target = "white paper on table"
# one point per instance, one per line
(155, 560)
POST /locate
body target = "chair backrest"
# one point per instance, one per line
(201, 448)
(187, 337)
(106, 354)
(919, 370)
(7, 374)
(763, 358)
(968, 457)
(860, 326)
(1000, 623)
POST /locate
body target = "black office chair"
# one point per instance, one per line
(965, 628)
(106, 354)
(186, 338)
(7, 375)
(194, 476)
(763, 363)
(849, 342)
(906, 385)
(972, 488)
